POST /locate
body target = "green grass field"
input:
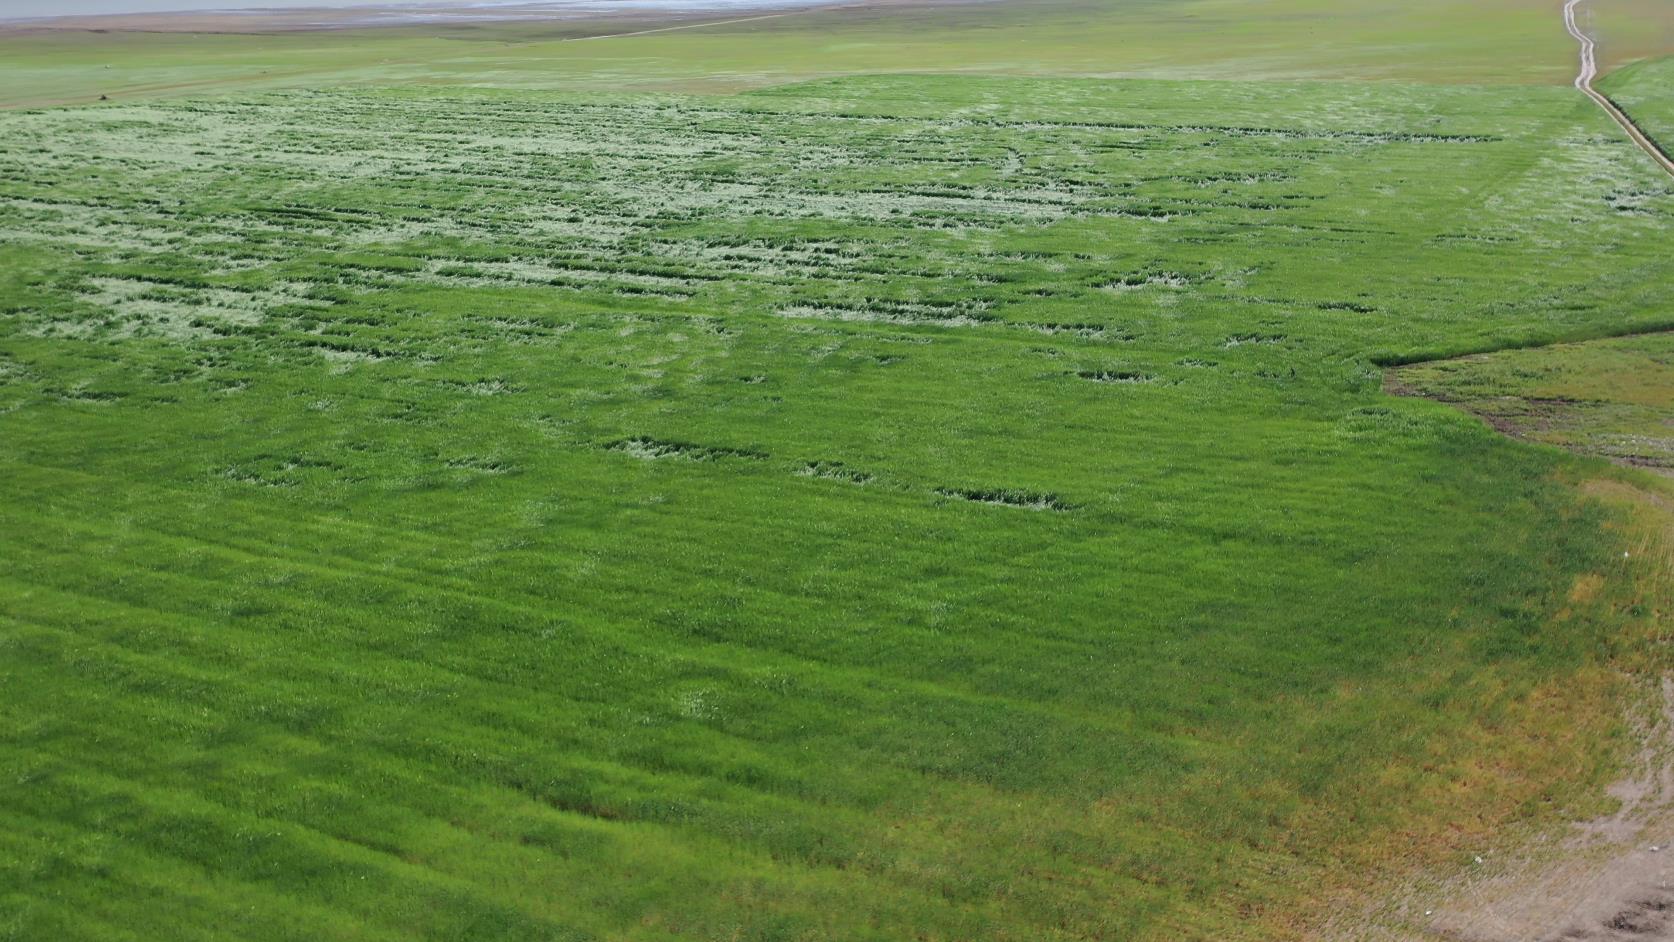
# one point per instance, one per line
(1645, 90)
(1432, 41)
(1610, 398)
(947, 507)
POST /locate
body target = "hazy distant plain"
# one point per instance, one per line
(29, 9)
(490, 9)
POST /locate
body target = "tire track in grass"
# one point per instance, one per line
(1584, 81)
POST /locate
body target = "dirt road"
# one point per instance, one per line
(1584, 81)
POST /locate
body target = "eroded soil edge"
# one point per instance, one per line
(1610, 877)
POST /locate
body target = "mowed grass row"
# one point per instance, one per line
(951, 508)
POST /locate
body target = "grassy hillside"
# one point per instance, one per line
(879, 508)
(1645, 90)
(1495, 42)
(1604, 397)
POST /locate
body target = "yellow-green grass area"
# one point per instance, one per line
(1493, 42)
(889, 507)
(1645, 90)
(1613, 398)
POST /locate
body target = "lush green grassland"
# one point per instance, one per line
(882, 508)
(1489, 41)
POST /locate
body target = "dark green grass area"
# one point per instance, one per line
(886, 508)
(1645, 90)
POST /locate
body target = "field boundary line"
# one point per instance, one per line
(665, 29)
(1584, 82)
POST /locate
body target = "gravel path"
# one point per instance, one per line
(1584, 81)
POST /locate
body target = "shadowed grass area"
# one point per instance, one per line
(875, 508)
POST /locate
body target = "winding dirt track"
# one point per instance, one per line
(1584, 81)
